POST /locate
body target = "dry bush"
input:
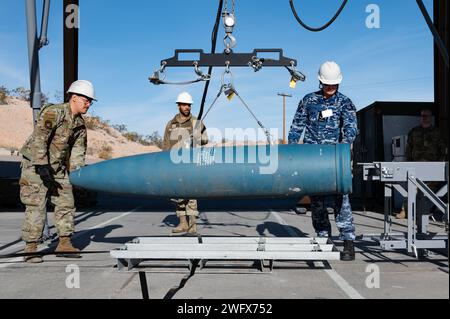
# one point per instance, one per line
(131, 136)
(4, 92)
(2, 98)
(96, 123)
(92, 122)
(105, 152)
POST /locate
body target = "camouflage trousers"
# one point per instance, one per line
(34, 194)
(342, 212)
(186, 207)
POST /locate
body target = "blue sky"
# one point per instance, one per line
(123, 42)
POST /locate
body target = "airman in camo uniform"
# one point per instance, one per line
(424, 145)
(424, 142)
(56, 147)
(179, 132)
(328, 117)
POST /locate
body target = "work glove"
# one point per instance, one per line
(45, 172)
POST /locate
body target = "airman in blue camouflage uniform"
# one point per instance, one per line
(328, 117)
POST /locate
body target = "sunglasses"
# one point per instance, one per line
(86, 100)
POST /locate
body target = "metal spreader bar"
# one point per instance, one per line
(231, 59)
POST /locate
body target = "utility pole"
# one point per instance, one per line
(284, 95)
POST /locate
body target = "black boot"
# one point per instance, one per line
(348, 253)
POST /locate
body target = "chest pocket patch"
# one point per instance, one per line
(49, 120)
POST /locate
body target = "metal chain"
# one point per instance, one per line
(227, 72)
(228, 88)
(209, 109)
(266, 131)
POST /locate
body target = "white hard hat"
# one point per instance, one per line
(84, 88)
(185, 98)
(330, 73)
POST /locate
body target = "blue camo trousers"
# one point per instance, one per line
(342, 212)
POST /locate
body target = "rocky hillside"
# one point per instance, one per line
(104, 142)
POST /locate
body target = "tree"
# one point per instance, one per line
(122, 128)
(21, 93)
(155, 139)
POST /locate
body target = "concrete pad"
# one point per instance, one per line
(115, 221)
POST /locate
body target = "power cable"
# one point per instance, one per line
(326, 25)
(213, 50)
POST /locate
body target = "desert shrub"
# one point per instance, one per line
(105, 152)
(96, 123)
(4, 92)
(25, 95)
(92, 122)
(2, 98)
(131, 136)
(21, 93)
(122, 128)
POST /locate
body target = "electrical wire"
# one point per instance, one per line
(326, 25)
(213, 50)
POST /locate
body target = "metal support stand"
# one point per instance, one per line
(144, 286)
(199, 250)
(414, 174)
(221, 249)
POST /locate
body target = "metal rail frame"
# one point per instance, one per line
(417, 239)
(200, 250)
(204, 249)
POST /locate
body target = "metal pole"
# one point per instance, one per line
(44, 24)
(70, 45)
(437, 38)
(284, 95)
(441, 74)
(144, 286)
(33, 58)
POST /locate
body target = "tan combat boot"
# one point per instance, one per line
(34, 259)
(65, 246)
(182, 226)
(192, 225)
